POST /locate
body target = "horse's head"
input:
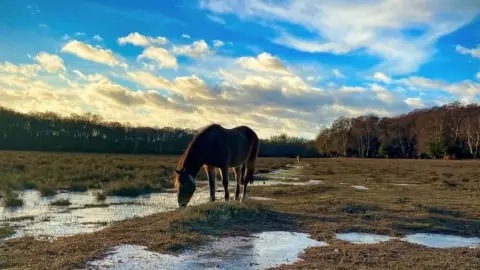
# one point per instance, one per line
(185, 184)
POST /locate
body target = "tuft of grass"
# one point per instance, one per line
(47, 191)
(61, 202)
(6, 231)
(11, 199)
(101, 196)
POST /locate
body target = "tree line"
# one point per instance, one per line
(448, 131)
(47, 131)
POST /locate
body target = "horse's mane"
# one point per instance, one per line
(185, 154)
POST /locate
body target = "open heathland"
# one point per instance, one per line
(400, 197)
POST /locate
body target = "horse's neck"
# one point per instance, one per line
(193, 160)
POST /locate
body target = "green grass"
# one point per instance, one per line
(61, 202)
(11, 199)
(6, 231)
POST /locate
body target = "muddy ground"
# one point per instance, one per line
(402, 197)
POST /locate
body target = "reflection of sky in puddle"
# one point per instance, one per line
(55, 221)
(263, 250)
(426, 239)
(442, 241)
(362, 238)
(360, 187)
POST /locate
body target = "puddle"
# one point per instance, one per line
(85, 214)
(360, 187)
(442, 240)
(261, 198)
(260, 251)
(363, 238)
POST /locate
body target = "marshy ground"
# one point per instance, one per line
(400, 198)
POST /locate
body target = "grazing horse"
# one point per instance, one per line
(217, 147)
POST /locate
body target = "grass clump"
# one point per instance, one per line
(47, 191)
(6, 231)
(231, 217)
(101, 196)
(11, 199)
(61, 202)
(77, 187)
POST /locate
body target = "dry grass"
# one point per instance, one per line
(444, 199)
(124, 175)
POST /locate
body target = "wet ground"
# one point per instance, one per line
(85, 213)
(260, 251)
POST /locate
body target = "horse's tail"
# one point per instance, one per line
(249, 166)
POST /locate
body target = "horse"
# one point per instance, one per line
(217, 147)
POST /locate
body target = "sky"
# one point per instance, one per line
(277, 66)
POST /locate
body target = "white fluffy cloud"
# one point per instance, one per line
(195, 50)
(161, 56)
(473, 52)
(379, 27)
(50, 62)
(29, 70)
(338, 73)
(186, 36)
(382, 77)
(138, 39)
(98, 55)
(264, 62)
(218, 43)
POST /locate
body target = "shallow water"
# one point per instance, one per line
(260, 251)
(85, 214)
(360, 187)
(362, 238)
(442, 240)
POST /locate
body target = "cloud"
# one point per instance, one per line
(313, 78)
(264, 62)
(66, 37)
(218, 43)
(29, 70)
(161, 56)
(50, 62)
(96, 77)
(195, 50)
(97, 38)
(382, 77)
(338, 74)
(186, 36)
(382, 29)
(464, 89)
(138, 39)
(383, 94)
(478, 76)
(473, 52)
(415, 102)
(98, 55)
(216, 19)
(148, 80)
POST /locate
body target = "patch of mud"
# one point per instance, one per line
(262, 250)
(442, 240)
(363, 238)
(360, 187)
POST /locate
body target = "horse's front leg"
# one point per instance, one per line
(211, 181)
(225, 182)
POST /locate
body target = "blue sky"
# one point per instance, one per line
(278, 66)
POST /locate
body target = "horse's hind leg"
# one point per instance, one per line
(238, 177)
(211, 180)
(245, 183)
(225, 182)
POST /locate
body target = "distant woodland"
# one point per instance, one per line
(449, 131)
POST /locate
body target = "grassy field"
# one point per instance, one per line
(444, 197)
(123, 175)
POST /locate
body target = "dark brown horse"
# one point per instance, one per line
(217, 147)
